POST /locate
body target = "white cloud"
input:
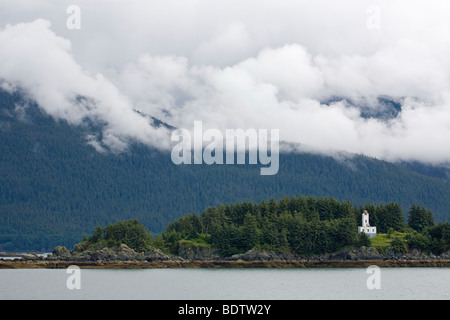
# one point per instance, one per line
(35, 59)
(257, 64)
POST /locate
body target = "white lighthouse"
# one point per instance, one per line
(366, 228)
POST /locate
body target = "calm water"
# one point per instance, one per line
(237, 284)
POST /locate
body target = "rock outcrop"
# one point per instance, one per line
(362, 253)
(262, 255)
(191, 252)
(119, 253)
(158, 255)
(61, 251)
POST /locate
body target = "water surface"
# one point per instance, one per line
(236, 284)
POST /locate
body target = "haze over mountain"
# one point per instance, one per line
(319, 72)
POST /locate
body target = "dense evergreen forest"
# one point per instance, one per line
(297, 225)
(302, 225)
(54, 187)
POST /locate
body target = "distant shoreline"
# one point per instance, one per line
(222, 264)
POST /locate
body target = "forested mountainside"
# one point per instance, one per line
(55, 187)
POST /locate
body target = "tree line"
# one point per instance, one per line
(305, 226)
(299, 225)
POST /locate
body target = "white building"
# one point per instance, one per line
(366, 228)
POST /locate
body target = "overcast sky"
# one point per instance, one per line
(271, 64)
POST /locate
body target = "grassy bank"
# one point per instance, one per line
(384, 240)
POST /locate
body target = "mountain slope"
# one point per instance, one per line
(55, 187)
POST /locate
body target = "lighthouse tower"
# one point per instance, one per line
(366, 228)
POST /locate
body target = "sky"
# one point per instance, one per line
(319, 71)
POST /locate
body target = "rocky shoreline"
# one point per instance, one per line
(122, 257)
(223, 264)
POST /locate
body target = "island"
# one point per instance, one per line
(301, 232)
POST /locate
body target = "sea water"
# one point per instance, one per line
(223, 284)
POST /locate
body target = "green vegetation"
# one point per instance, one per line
(54, 188)
(299, 225)
(434, 239)
(304, 226)
(129, 232)
(384, 240)
(420, 218)
(201, 241)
